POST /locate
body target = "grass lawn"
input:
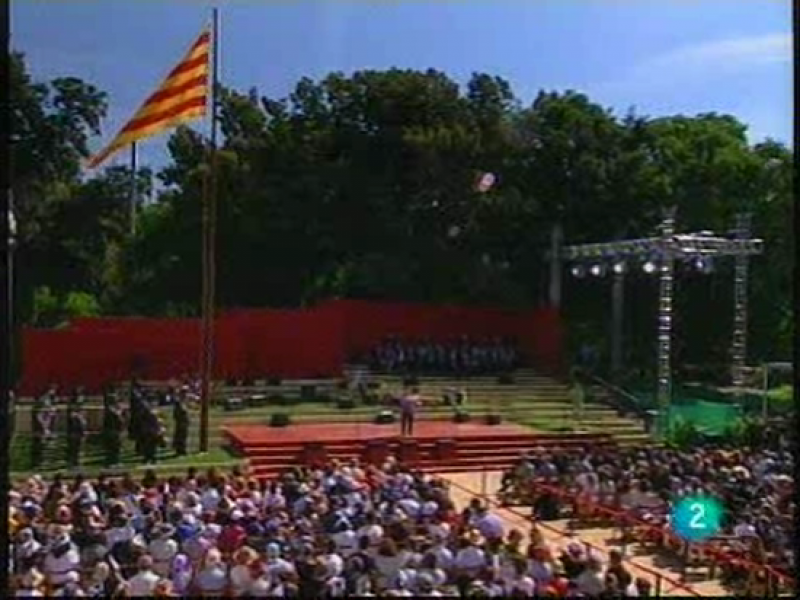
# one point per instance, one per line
(517, 410)
(93, 459)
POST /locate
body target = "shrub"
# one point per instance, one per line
(781, 399)
(461, 417)
(682, 434)
(279, 420)
(346, 403)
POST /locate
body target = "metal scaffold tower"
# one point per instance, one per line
(658, 256)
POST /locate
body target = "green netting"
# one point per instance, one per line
(711, 418)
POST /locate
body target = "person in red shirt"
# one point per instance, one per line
(233, 535)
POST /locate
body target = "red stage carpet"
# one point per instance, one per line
(435, 445)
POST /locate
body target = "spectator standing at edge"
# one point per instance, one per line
(135, 423)
(151, 433)
(38, 429)
(180, 416)
(76, 432)
(112, 431)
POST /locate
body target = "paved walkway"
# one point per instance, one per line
(641, 564)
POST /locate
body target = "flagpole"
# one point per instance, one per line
(133, 188)
(209, 246)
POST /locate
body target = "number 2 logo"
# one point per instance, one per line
(698, 516)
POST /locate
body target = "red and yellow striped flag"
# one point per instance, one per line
(181, 97)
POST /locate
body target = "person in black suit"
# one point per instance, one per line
(180, 415)
(113, 424)
(151, 436)
(38, 431)
(76, 433)
(136, 419)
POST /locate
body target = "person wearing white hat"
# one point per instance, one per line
(163, 549)
(62, 559)
(145, 581)
(212, 578)
(26, 547)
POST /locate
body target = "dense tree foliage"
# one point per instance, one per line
(364, 186)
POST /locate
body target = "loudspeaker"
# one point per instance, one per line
(385, 417)
(232, 404)
(257, 400)
(279, 420)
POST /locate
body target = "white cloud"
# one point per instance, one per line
(735, 53)
(704, 62)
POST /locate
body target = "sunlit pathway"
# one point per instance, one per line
(466, 485)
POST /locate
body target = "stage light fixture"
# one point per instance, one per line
(703, 264)
(619, 267)
(649, 267)
(578, 271)
(597, 270)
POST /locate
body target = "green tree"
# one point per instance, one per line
(50, 127)
(364, 185)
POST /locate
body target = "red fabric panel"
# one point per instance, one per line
(71, 358)
(256, 343)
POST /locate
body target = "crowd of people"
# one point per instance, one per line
(347, 529)
(755, 486)
(464, 356)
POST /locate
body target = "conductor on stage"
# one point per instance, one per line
(408, 409)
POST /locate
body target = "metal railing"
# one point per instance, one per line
(716, 557)
(661, 580)
(619, 399)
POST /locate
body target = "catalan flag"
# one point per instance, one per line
(182, 96)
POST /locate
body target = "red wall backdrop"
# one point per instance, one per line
(314, 342)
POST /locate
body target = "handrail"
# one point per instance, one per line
(660, 577)
(631, 402)
(629, 518)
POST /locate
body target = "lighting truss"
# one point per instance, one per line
(660, 254)
(676, 247)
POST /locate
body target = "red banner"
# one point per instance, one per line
(257, 343)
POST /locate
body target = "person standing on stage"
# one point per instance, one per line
(408, 409)
(180, 415)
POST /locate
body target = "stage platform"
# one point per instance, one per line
(435, 445)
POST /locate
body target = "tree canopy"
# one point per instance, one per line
(364, 185)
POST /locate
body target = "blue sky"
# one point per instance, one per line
(660, 56)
